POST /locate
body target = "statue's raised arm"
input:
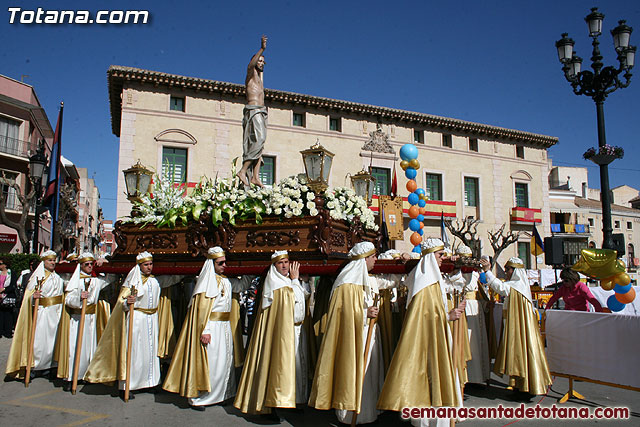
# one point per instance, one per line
(254, 121)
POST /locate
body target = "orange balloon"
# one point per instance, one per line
(414, 211)
(625, 298)
(422, 225)
(423, 211)
(412, 185)
(416, 239)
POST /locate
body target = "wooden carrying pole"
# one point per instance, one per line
(32, 333)
(129, 347)
(76, 359)
(372, 322)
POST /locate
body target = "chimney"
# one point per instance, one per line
(584, 190)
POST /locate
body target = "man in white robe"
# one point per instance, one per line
(151, 335)
(279, 276)
(83, 286)
(335, 385)
(478, 368)
(46, 286)
(424, 376)
(210, 379)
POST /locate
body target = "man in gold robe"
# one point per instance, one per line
(152, 332)
(202, 367)
(268, 378)
(521, 352)
(422, 369)
(47, 287)
(343, 379)
(82, 286)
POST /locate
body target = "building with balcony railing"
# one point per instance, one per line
(576, 215)
(23, 125)
(187, 128)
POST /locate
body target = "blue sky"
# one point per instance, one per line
(490, 62)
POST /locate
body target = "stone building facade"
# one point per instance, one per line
(185, 128)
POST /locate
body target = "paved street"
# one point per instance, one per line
(45, 404)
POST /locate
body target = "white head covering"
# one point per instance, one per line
(519, 280)
(144, 257)
(76, 282)
(464, 250)
(72, 257)
(390, 254)
(134, 278)
(38, 274)
(278, 255)
(427, 271)
(48, 255)
(274, 279)
(84, 257)
(207, 281)
(356, 271)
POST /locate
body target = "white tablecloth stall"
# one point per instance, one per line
(597, 346)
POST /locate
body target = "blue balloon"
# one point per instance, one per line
(414, 225)
(417, 249)
(420, 218)
(622, 289)
(413, 199)
(421, 232)
(410, 173)
(613, 304)
(408, 152)
(420, 192)
(421, 203)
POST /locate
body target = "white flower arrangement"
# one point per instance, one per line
(225, 198)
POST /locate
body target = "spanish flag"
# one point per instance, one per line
(537, 246)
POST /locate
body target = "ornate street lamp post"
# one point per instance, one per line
(597, 84)
(37, 167)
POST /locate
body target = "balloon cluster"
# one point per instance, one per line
(417, 196)
(604, 265)
(624, 293)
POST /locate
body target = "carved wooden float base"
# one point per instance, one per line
(306, 238)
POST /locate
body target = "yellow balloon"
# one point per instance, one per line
(607, 284)
(404, 165)
(622, 279)
(599, 263)
(414, 163)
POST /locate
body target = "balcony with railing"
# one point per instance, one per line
(571, 229)
(12, 203)
(16, 147)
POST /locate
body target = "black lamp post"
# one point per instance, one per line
(598, 84)
(37, 167)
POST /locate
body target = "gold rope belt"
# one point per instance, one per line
(91, 309)
(147, 310)
(220, 316)
(471, 295)
(299, 323)
(46, 302)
